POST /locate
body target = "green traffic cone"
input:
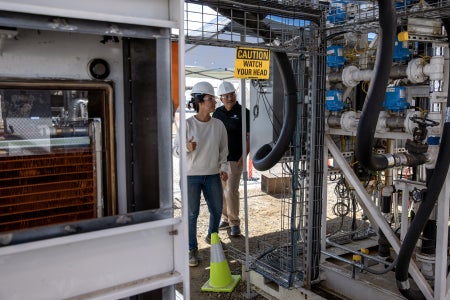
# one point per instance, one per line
(220, 278)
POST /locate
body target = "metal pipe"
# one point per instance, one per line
(395, 122)
(334, 121)
(48, 232)
(397, 72)
(379, 260)
(69, 131)
(340, 258)
(308, 13)
(374, 214)
(77, 110)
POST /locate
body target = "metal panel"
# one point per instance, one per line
(64, 56)
(161, 13)
(103, 264)
(148, 112)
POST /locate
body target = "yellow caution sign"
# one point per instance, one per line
(252, 63)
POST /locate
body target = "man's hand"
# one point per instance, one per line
(239, 162)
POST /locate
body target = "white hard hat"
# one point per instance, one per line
(226, 88)
(203, 87)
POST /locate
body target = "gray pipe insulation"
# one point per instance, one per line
(396, 72)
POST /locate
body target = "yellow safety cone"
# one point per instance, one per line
(220, 278)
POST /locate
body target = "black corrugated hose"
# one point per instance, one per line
(267, 156)
(377, 90)
(434, 186)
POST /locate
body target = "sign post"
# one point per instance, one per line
(252, 63)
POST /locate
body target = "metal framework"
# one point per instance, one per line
(297, 28)
(146, 245)
(295, 258)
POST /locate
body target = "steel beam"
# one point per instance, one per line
(374, 214)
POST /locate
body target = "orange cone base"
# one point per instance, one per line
(227, 289)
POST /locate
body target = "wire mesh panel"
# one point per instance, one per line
(272, 24)
(291, 256)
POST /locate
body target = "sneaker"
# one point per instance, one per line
(224, 225)
(193, 258)
(235, 231)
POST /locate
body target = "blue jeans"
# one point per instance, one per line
(211, 186)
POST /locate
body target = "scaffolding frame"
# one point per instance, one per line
(290, 258)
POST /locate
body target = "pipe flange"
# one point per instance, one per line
(348, 121)
(347, 76)
(414, 71)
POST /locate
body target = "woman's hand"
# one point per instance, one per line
(223, 176)
(191, 145)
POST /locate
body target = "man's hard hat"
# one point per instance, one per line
(226, 88)
(203, 87)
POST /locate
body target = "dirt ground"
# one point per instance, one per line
(264, 229)
(264, 224)
(263, 212)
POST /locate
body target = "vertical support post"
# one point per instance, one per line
(441, 262)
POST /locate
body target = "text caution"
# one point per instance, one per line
(252, 63)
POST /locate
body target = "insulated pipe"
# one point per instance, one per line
(356, 75)
(377, 89)
(434, 186)
(350, 250)
(415, 71)
(270, 154)
(336, 120)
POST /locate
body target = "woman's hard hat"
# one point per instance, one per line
(203, 87)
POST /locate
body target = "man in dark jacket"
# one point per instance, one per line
(230, 113)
